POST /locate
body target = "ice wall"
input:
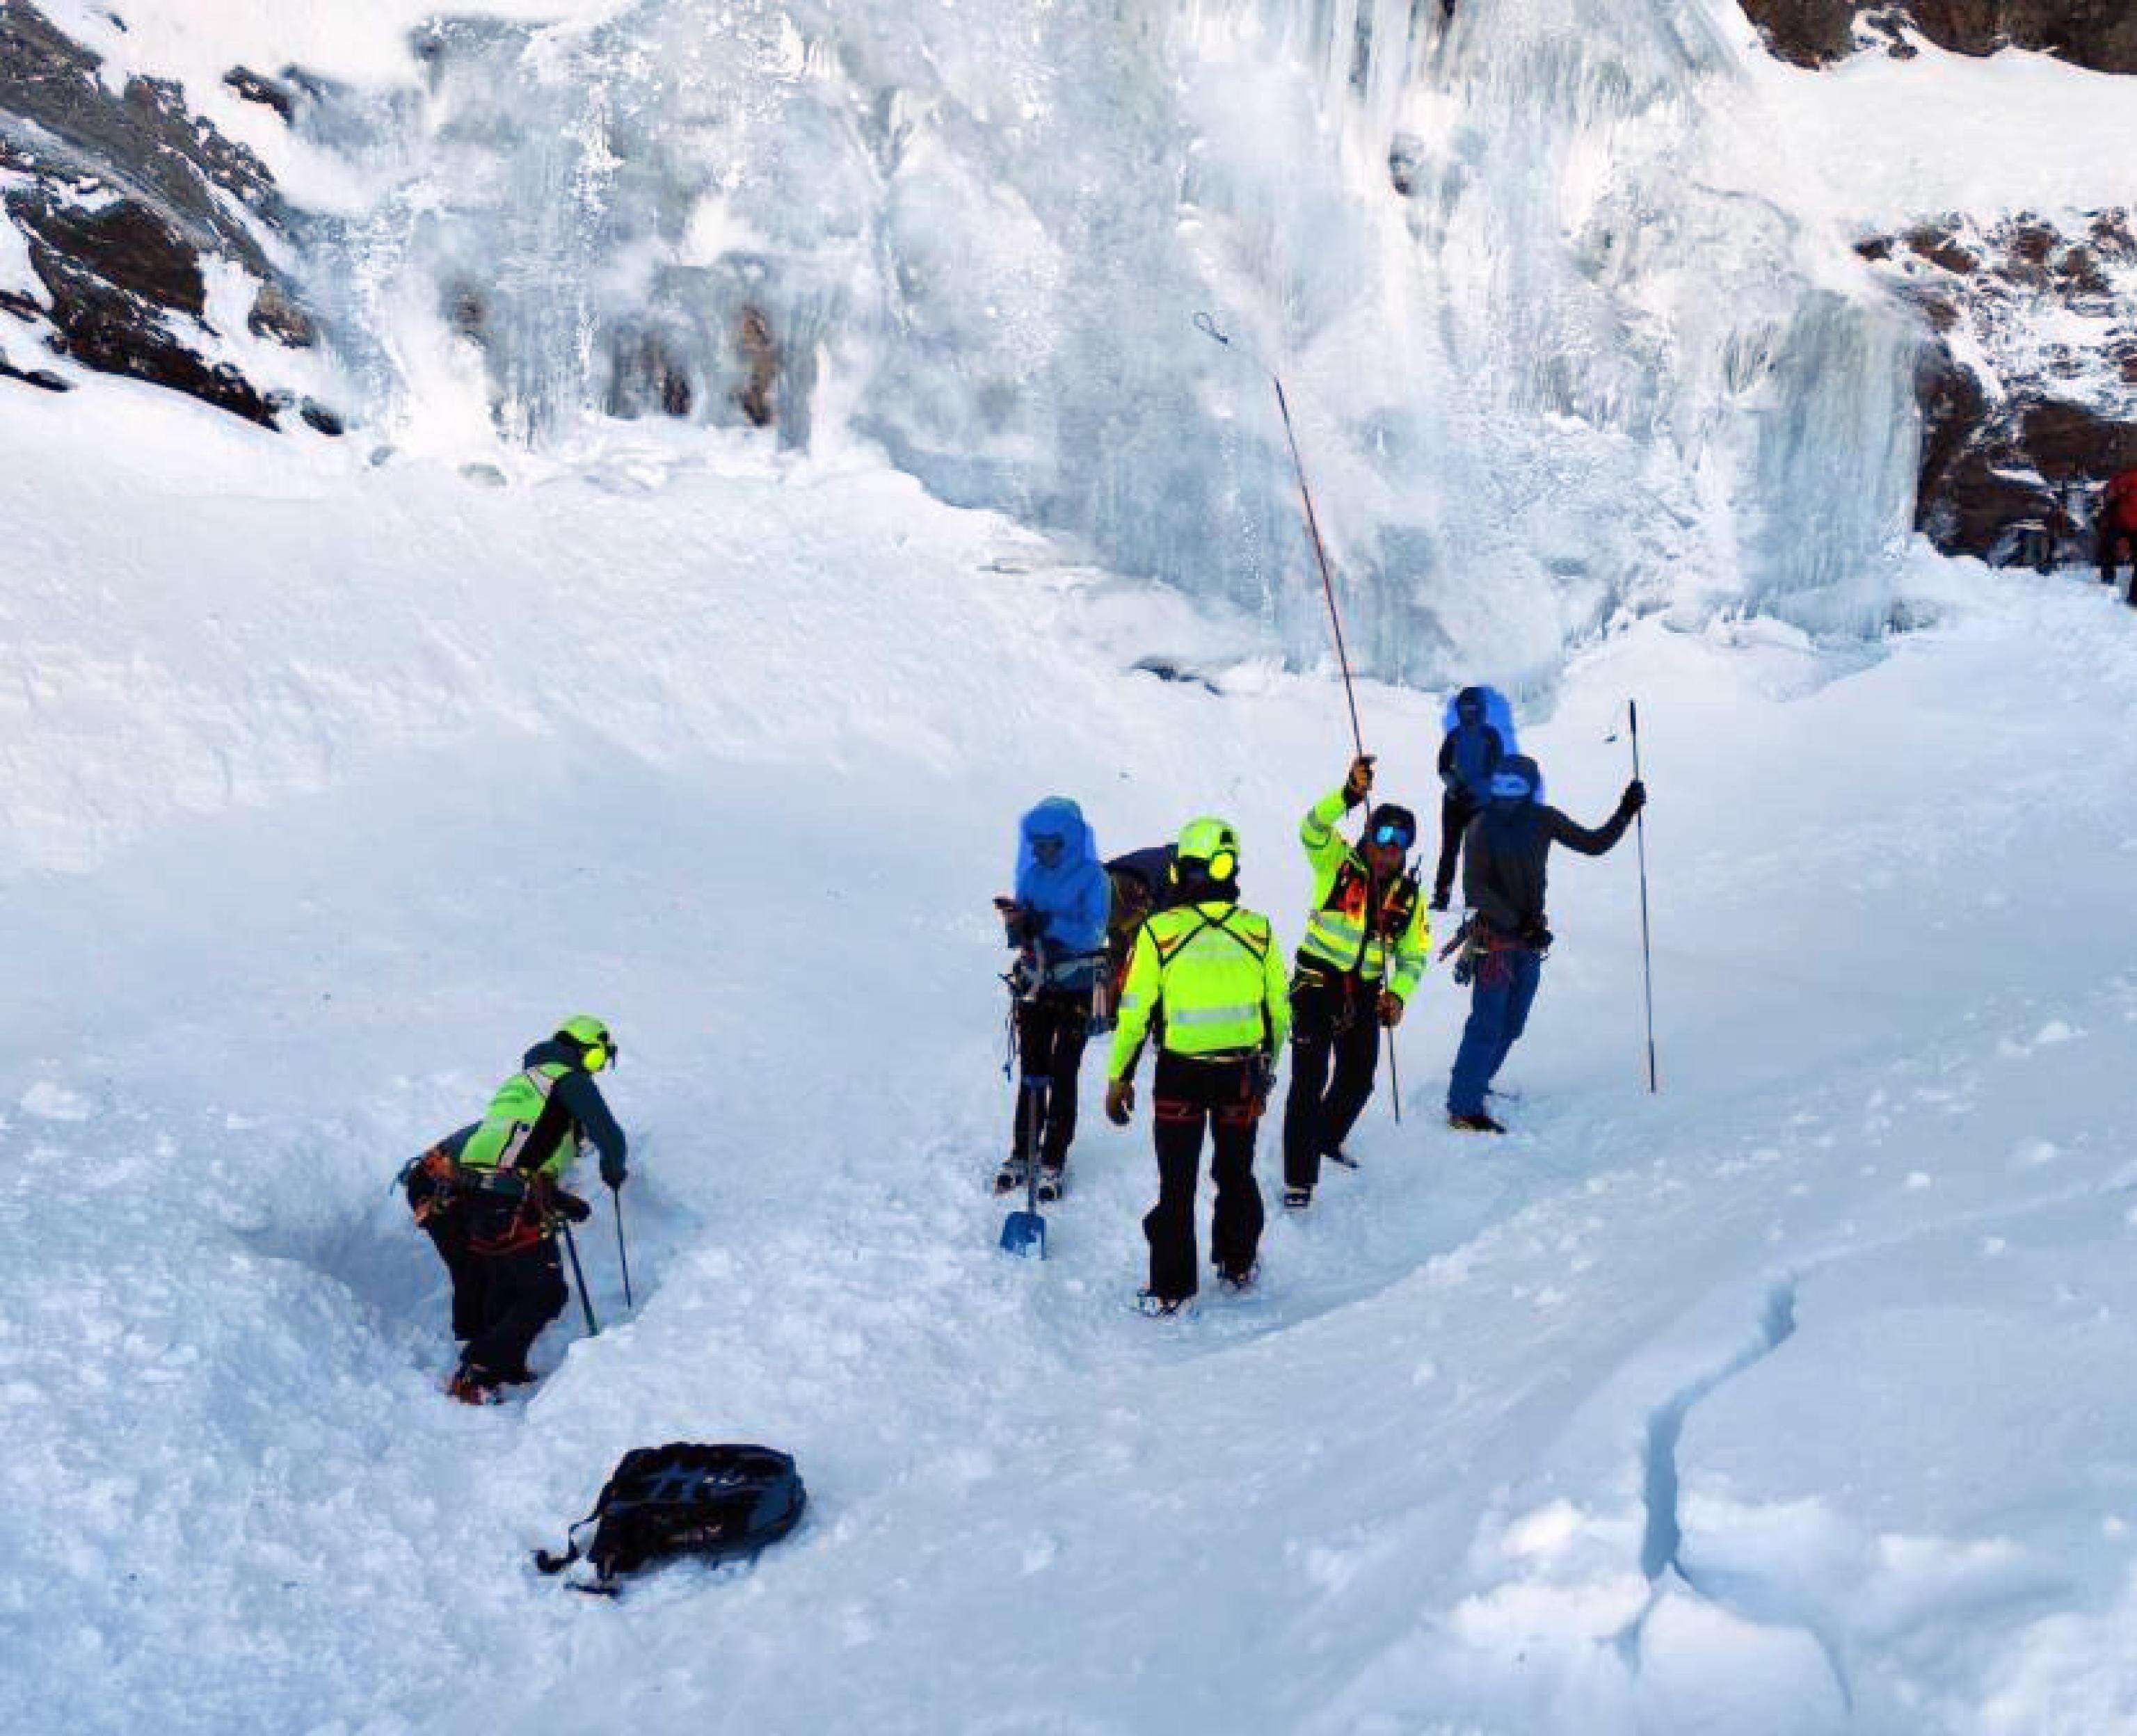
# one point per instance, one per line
(1555, 347)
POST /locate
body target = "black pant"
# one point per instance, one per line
(2113, 541)
(522, 1290)
(1456, 811)
(447, 1228)
(1187, 1094)
(1331, 1016)
(1050, 1034)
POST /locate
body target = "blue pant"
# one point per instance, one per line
(1499, 1002)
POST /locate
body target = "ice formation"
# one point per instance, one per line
(1555, 348)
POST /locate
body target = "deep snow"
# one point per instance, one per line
(329, 787)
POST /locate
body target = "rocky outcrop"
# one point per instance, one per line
(2029, 391)
(121, 200)
(2102, 34)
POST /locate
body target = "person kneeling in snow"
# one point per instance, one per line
(1058, 923)
(1502, 880)
(512, 1165)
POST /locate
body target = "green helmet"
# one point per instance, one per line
(1211, 841)
(596, 1049)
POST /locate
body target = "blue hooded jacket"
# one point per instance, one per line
(1073, 895)
(1471, 752)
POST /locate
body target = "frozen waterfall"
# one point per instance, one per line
(1557, 346)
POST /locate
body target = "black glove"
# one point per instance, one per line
(1635, 797)
(612, 1171)
(571, 1207)
(1465, 967)
(1358, 781)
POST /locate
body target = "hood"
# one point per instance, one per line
(1497, 713)
(1051, 887)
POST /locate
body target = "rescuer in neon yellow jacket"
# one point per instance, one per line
(1206, 977)
(510, 1168)
(1367, 943)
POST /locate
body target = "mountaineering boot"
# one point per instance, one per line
(1152, 1306)
(472, 1385)
(1297, 1199)
(1238, 1283)
(1341, 1159)
(1478, 1123)
(1010, 1177)
(1053, 1181)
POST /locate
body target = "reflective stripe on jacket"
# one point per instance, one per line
(1335, 936)
(1213, 970)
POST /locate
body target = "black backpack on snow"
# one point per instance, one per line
(712, 1503)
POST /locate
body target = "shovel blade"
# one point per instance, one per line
(1024, 1234)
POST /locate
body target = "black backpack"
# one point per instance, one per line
(712, 1503)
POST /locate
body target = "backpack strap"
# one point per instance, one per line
(549, 1563)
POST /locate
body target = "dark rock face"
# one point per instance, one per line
(2025, 395)
(121, 200)
(2102, 34)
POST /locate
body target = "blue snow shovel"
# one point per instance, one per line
(1024, 1234)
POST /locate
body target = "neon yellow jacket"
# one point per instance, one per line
(1213, 970)
(526, 1112)
(1336, 937)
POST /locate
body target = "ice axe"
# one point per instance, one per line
(1640, 833)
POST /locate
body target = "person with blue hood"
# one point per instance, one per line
(1506, 938)
(1057, 922)
(1479, 735)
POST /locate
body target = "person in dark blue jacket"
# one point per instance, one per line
(1057, 922)
(1474, 745)
(1507, 934)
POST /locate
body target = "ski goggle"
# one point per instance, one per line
(1400, 836)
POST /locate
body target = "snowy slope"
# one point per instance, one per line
(328, 788)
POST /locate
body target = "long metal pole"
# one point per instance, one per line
(1349, 697)
(1208, 326)
(1320, 554)
(1647, 952)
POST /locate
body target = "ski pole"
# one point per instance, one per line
(622, 1252)
(1395, 1076)
(1646, 953)
(585, 1302)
